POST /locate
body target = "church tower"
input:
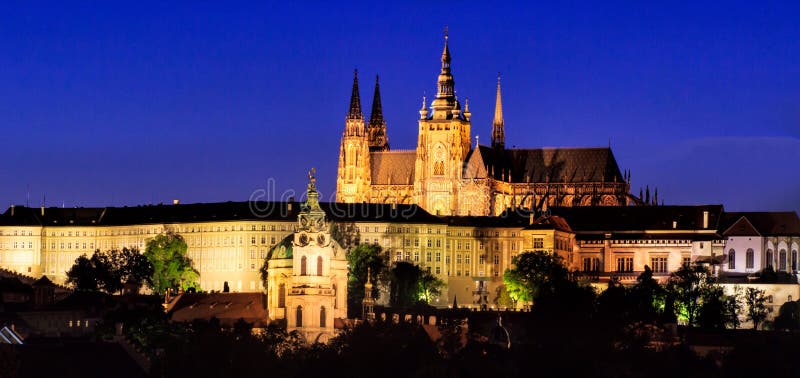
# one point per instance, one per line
(498, 130)
(354, 176)
(307, 274)
(443, 145)
(378, 140)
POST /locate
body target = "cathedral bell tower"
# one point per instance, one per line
(354, 175)
(443, 144)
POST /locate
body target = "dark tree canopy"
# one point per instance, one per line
(110, 270)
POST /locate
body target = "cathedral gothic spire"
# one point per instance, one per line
(355, 101)
(378, 140)
(498, 129)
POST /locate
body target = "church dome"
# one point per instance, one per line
(282, 250)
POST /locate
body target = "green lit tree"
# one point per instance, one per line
(363, 258)
(172, 268)
(429, 287)
(685, 289)
(404, 284)
(755, 300)
(535, 274)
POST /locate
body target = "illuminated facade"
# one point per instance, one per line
(228, 242)
(448, 175)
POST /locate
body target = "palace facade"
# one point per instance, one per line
(229, 242)
(446, 174)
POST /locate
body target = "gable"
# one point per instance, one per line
(741, 227)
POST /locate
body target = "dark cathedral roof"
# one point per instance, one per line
(574, 165)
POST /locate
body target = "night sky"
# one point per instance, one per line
(103, 104)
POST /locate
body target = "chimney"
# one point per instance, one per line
(12, 210)
(42, 208)
(176, 202)
(705, 219)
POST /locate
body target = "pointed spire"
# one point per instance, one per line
(498, 129)
(655, 197)
(355, 100)
(376, 116)
(647, 195)
(378, 140)
(445, 95)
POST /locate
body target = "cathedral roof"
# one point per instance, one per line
(639, 218)
(393, 167)
(572, 165)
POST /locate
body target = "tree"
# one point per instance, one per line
(404, 284)
(535, 274)
(82, 275)
(647, 296)
(503, 298)
(686, 289)
(359, 259)
(109, 270)
(788, 316)
(755, 300)
(172, 269)
(429, 287)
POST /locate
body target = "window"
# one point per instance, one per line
(447, 258)
(282, 295)
(253, 240)
(458, 258)
(794, 261)
(398, 256)
(319, 265)
(687, 261)
(299, 316)
(438, 243)
(438, 270)
(782, 260)
(303, 261)
(496, 260)
(624, 264)
(438, 256)
(591, 264)
(482, 259)
(538, 243)
(467, 258)
(322, 317)
(430, 243)
(416, 242)
(731, 259)
(769, 258)
(659, 264)
(749, 259)
(416, 256)
(427, 256)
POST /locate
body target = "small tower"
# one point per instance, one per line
(498, 129)
(378, 140)
(307, 274)
(354, 175)
(368, 304)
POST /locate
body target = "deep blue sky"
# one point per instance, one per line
(108, 104)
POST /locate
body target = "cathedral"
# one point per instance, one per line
(449, 175)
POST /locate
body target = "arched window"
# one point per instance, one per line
(322, 317)
(749, 259)
(782, 260)
(731, 259)
(299, 316)
(794, 260)
(319, 265)
(438, 168)
(282, 295)
(769, 259)
(303, 266)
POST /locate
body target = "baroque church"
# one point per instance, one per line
(449, 175)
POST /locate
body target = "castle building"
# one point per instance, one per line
(446, 174)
